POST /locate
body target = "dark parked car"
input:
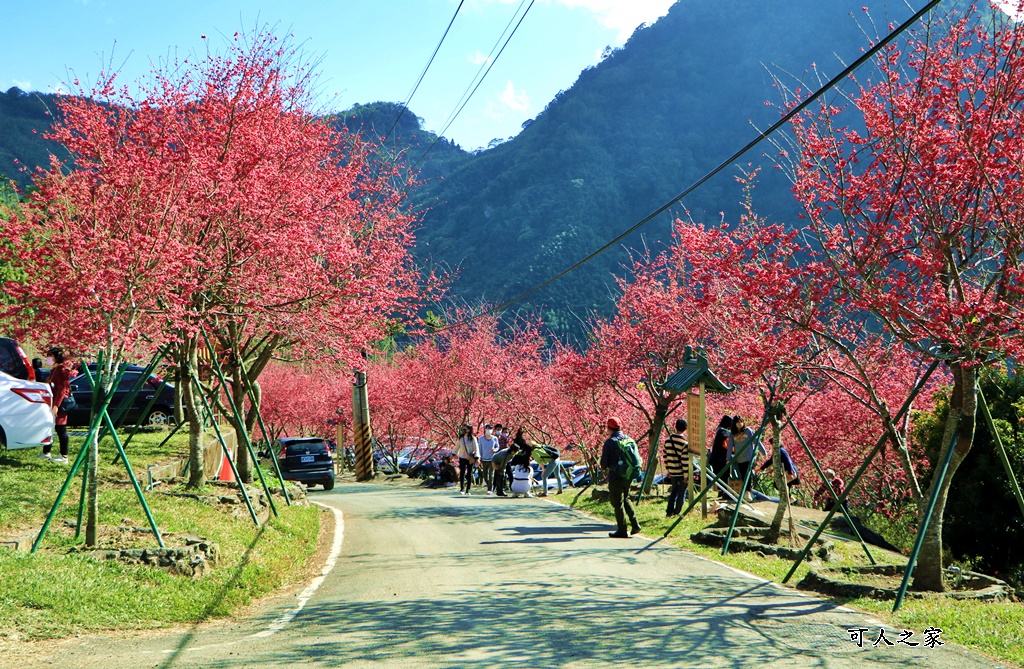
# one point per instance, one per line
(307, 460)
(161, 413)
(13, 361)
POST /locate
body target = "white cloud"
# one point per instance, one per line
(1013, 9)
(513, 99)
(623, 16)
(24, 85)
(478, 58)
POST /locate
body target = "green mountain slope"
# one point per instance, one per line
(24, 117)
(632, 132)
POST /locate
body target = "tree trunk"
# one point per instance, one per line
(92, 491)
(103, 386)
(660, 412)
(779, 476)
(254, 411)
(188, 369)
(237, 389)
(963, 404)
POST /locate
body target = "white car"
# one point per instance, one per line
(26, 416)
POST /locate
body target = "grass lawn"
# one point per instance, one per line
(996, 629)
(54, 594)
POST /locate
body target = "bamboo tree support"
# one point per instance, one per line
(226, 451)
(79, 460)
(940, 475)
(754, 441)
(1014, 485)
(860, 472)
(251, 391)
(828, 486)
(241, 422)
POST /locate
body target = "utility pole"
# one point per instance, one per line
(361, 428)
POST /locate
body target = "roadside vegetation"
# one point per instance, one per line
(996, 629)
(53, 593)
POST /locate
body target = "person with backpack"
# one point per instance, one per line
(548, 458)
(621, 461)
(676, 455)
(719, 456)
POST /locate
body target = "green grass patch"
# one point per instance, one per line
(53, 594)
(996, 629)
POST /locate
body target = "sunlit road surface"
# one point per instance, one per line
(432, 579)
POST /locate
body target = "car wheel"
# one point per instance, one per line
(160, 416)
(329, 484)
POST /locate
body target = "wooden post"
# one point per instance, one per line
(703, 444)
(696, 419)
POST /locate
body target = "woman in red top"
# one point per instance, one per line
(60, 386)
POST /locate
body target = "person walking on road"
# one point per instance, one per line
(469, 454)
(676, 451)
(489, 445)
(618, 485)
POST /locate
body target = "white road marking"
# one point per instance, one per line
(304, 596)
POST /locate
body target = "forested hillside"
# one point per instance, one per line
(632, 132)
(23, 120)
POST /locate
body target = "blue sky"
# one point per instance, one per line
(370, 49)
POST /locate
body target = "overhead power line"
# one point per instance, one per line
(464, 100)
(834, 81)
(405, 105)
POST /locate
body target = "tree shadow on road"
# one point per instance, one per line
(698, 621)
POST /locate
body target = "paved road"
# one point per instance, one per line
(432, 579)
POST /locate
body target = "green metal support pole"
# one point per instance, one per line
(241, 421)
(134, 480)
(145, 412)
(860, 472)
(266, 433)
(122, 409)
(127, 465)
(81, 499)
(1014, 486)
(919, 542)
(828, 486)
(79, 460)
(168, 437)
(227, 452)
(696, 500)
(651, 461)
(746, 483)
